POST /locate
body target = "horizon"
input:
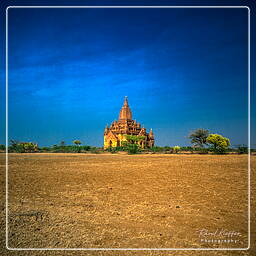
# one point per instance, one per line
(182, 69)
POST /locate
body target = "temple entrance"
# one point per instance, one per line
(110, 143)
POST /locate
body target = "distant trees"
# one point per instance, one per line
(30, 147)
(216, 143)
(199, 137)
(77, 142)
(242, 149)
(63, 148)
(22, 147)
(2, 147)
(62, 143)
(219, 143)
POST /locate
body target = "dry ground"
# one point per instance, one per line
(140, 201)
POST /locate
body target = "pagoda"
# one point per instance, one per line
(118, 130)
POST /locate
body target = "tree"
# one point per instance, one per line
(77, 142)
(22, 147)
(29, 146)
(62, 143)
(199, 137)
(134, 139)
(219, 143)
(131, 145)
(176, 149)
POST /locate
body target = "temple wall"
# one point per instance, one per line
(107, 142)
(121, 138)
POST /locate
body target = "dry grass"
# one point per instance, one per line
(153, 201)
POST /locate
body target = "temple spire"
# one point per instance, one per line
(151, 133)
(126, 101)
(125, 113)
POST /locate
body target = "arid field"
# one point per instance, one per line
(127, 201)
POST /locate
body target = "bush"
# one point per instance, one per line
(67, 149)
(176, 149)
(167, 148)
(189, 148)
(2, 147)
(242, 149)
(85, 148)
(95, 150)
(132, 148)
(203, 151)
(16, 149)
(22, 147)
(115, 149)
(45, 149)
(156, 149)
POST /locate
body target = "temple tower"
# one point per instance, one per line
(116, 133)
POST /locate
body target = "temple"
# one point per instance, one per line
(116, 134)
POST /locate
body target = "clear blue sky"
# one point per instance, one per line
(182, 69)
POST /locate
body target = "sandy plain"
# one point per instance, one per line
(127, 201)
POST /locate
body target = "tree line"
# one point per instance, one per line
(202, 142)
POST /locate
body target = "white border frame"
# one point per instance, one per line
(135, 249)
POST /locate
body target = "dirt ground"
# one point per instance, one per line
(127, 201)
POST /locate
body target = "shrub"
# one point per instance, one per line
(132, 148)
(95, 150)
(22, 147)
(176, 149)
(115, 149)
(189, 148)
(203, 151)
(242, 149)
(85, 148)
(46, 149)
(156, 149)
(2, 147)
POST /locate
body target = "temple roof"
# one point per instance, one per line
(125, 113)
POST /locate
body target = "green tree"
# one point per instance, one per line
(77, 142)
(132, 148)
(219, 143)
(2, 147)
(22, 147)
(131, 145)
(134, 139)
(199, 137)
(29, 146)
(176, 149)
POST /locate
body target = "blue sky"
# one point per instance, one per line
(182, 69)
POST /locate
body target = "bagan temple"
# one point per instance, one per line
(116, 133)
